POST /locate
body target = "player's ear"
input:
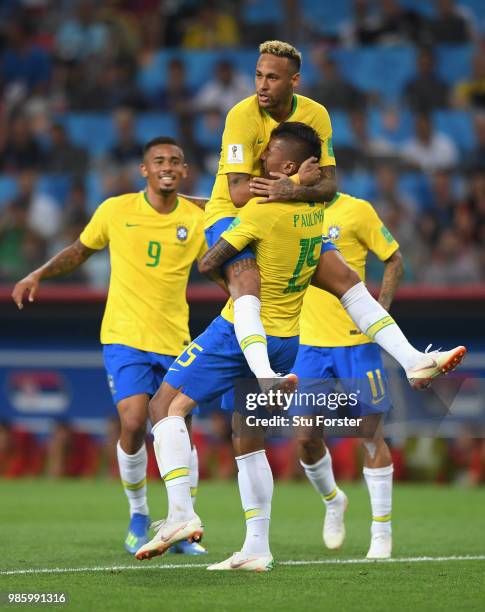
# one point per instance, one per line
(289, 168)
(185, 171)
(143, 170)
(295, 80)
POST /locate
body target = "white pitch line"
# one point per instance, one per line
(118, 568)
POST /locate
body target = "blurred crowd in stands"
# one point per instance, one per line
(85, 83)
(67, 452)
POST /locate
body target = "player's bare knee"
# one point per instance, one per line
(311, 449)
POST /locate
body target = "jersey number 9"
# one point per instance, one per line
(154, 251)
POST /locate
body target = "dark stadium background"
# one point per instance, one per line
(84, 84)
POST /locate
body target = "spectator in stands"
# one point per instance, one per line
(474, 203)
(20, 246)
(112, 85)
(426, 91)
(176, 96)
(24, 66)
(443, 201)
(211, 28)
(44, 213)
(363, 151)
(83, 36)
(428, 150)
(476, 158)
(127, 149)
(64, 157)
(470, 93)
(332, 89)
(449, 26)
(21, 150)
(224, 90)
(393, 24)
(453, 262)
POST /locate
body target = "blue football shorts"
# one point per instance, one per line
(210, 366)
(360, 371)
(132, 371)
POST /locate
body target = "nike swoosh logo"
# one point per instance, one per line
(434, 364)
(378, 401)
(174, 369)
(132, 225)
(241, 564)
(170, 535)
(260, 142)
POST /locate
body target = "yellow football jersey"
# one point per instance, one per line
(355, 228)
(287, 242)
(151, 256)
(246, 135)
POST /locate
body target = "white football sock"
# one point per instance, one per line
(172, 449)
(194, 474)
(256, 489)
(251, 335)
(379, 483)
(133, 474)
(320, 474)
(372, 320)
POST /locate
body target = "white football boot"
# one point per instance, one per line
(380, 545)
(433, 364)
(245, 562)
(169, 533)
(333, 525)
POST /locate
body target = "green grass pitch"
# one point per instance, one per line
(81, 524)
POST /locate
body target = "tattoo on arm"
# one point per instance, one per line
(66, 261)
(323, 191)
(393, 272)
(216, 256)
(238, 267)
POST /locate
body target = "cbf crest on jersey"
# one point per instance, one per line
(182, 233)
(334, 232)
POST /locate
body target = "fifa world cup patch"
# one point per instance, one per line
(334, 232)
(182, 233)
(235, 154)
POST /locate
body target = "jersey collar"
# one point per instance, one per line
(294, 103)
(145, 196)
(333, 200)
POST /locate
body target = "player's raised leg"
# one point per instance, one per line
(335, 276)
(378, 470)
(168, 409)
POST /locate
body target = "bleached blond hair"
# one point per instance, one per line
(281, 49)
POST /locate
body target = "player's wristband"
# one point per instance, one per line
(295, 178)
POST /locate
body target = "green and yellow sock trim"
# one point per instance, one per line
(193, 491)
(330, 496)
(134, 486)
(376, 327)
(176, 473)
(252, 513)
(248, 340)
(382, 519)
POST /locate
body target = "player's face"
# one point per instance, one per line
(164, 168)
(275, 158)
(275, 80)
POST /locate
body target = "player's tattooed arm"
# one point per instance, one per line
(216, 256)
(393, 271)
(64, 262)
(281, 188)
(238, 184)
(200, 202)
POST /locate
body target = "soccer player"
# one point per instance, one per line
(287, 243)
(246, 135)
(154, 237)
(332, 347)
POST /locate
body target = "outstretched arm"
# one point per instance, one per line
(200, 202)
(393, 272)
(64, 262)
(282, 188)
(216, 256)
